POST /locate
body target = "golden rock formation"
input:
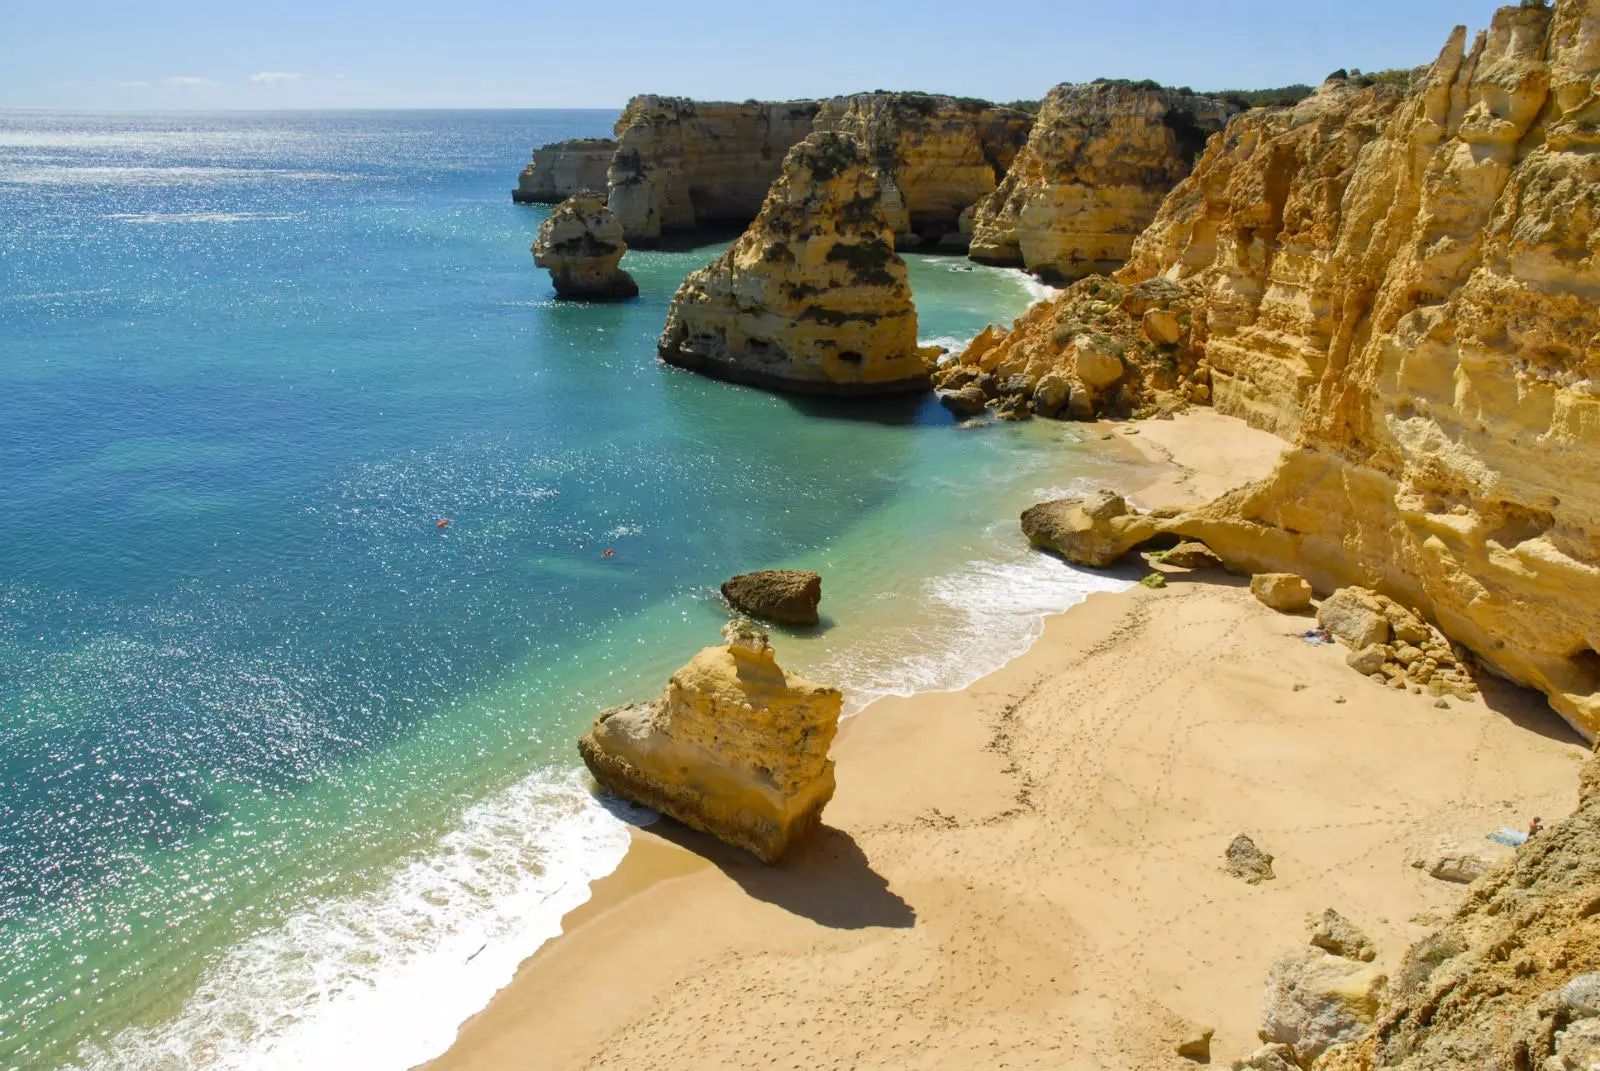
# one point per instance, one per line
(682, 164)
(581, 245)
(1097, 164)
(935, 156)
(1408, 287)
(736, 747)
(811, 298)
(562, 168)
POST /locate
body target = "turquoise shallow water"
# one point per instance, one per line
(287, 770)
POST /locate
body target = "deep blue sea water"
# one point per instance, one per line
(286, 769)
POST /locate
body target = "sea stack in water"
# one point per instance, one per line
(782, 596)
(811, 298)
(581, 245)
(736, 747)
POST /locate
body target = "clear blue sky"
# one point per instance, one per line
(492, 53)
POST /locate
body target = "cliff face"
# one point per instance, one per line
(811, 298)
(581, 245)
(737, 747)
(1410, 288)
(562, 168)
(682, 164)
(1502, 986)
(1097, 164)
(935, 156)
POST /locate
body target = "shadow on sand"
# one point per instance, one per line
(826, 878)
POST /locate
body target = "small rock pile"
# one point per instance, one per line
(1395, 646)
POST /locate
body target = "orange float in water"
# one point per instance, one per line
(608, 554)
(444, 523)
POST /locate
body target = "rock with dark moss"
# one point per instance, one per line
(581, 245)
(782, 596)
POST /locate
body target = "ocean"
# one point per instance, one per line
(287, 771)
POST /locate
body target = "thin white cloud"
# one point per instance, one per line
(131, 85)
(186, 80)
(274, 77)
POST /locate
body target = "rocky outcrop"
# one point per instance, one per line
(684, 164)
(1504, 985)
(782, 596)
(581, 245)
(1404, 282)
(935, 156)
(1098, 162)
(1315, 1000)
(812, 297)
(1098, 349)
(736, 747)
(1394, 646)
(562, 168)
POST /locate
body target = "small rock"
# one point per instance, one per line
(1196, 1044)
(1332, 932)
(966, 401)
(1161, 327)
(1154, 581)
(1284, 592)
(1368, 660)
(1273, 1057)
(1458, 864)
(1192, 556)
(784, 596)
(1355, 616)
(1247, 861)
(1338, 699)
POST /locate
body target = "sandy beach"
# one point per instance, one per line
(1028, 873)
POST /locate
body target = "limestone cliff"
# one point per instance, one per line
(811, 298)
(1408, 287)
(1502, 987)
(935, 156)
(1098, 162)
(562, 168)
(736, 747)
(682, 164)
(581, 245)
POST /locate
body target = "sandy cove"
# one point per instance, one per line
(1027, 873)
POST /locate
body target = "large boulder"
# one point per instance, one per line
(736, 747)
(1356, 616)
(581, 245)
(1084, 531)
(782, 596)
(812, 298)
(1284, 592)
(1315, 1000)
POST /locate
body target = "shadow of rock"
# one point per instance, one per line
(827, 878)
(1525, 708)
(890, 410)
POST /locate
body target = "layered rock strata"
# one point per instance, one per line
(935, 156)
(736, 747)
(812, 297)
(562, 168)
(580, 244)
(683, 164)
(1099, 161)
(1505, 984)
(1409, 290)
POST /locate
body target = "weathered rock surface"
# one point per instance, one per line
(1273, 1057)
(1314, 1000)
(1191, 556)
(1284, 592)
(1334, 933)
(580, 243)
(1093, 350)
(684, 164)
(935, 156)
(1406, 283)
(782, 596)
(1098, 162)
(1501, 986)
(1249, 862)
(562, 168)
(812, 297)
(736, 747)
(1395, 646)
(1080, 530)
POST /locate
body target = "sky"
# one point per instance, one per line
(186, 54)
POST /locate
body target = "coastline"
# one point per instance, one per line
(1030, 865)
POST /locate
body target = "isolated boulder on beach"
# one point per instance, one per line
(736, 747)
(782, 596)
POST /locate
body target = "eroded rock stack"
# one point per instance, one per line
(581, 245)
(684, 164)
(736, 747)
(562, 168)
(1099, 161)
(812, 297)
(935, 156)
